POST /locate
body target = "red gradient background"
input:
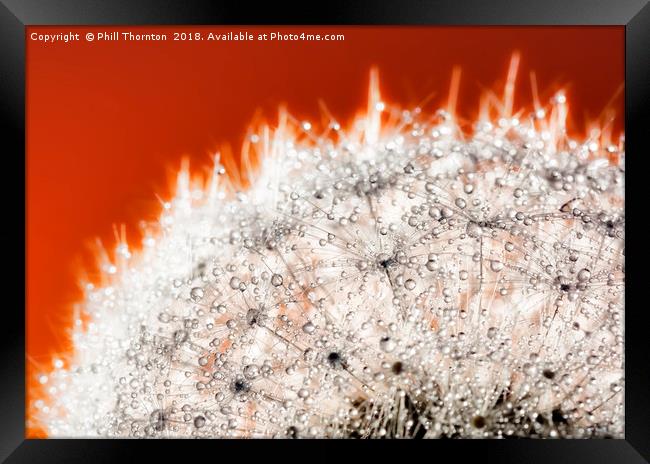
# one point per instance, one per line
(108, 122)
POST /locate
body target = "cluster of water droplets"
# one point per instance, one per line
(400, 279)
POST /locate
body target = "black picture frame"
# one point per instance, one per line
(15, 15)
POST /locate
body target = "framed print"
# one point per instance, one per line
(349, 224)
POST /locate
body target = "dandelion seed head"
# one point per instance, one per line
(391, 280)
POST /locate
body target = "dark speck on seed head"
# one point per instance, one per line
(159, 420)
(397, 368)
(478, 422)
(239, 386)
(558, 417)
(334, 359)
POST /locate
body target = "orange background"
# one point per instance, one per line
(108, 122)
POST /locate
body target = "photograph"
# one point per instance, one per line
(325, 232)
